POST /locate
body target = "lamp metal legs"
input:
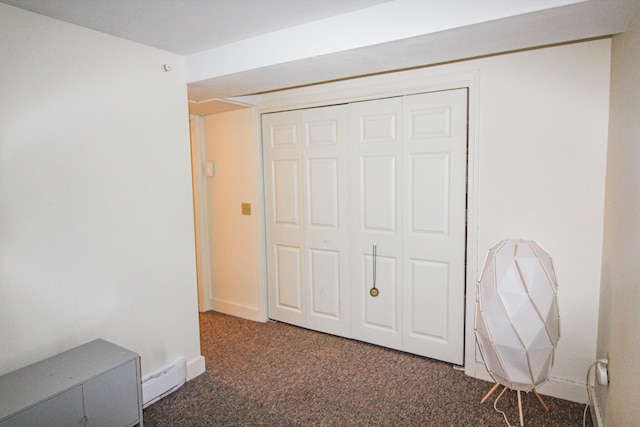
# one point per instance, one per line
(486, 396)
(520, 409)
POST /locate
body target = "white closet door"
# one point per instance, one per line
(435, 147)
(376, 219)
(388, 174)
(284, 216)
(326, 219)
(307, 194)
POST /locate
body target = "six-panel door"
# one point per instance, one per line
(434, 210)
(284, 194)
(375, 142)
(326, 178)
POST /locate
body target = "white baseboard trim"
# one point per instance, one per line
(243, 311)
(206, 305)
(195, 367)
(565, 389)
(163, 382)
(596, 416)
(555, 387)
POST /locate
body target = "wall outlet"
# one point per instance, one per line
(602, 371)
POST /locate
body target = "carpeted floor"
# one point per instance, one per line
(274, 374)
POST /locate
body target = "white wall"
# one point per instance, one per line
(95, 192)
(229, 142)
(539, 119)
(619, 329)
(542, 161)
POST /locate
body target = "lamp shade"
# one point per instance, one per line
(517, 322)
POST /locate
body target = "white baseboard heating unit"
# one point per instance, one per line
(164, 382)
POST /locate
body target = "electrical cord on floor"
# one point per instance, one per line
(506, 420)
(584, 414)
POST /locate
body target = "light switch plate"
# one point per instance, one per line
(211, 169)
(246, 209)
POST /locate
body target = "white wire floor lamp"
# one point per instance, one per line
(517, 322)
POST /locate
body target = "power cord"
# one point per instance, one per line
(495, 403)
(584, 414)
(586, 407)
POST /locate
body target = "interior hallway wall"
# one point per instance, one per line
(96, 205)
(229, 143)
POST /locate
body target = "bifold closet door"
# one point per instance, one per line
(326, 219)
(434, 151)
(408, 192)
(375, 129)
(285, 234)
(370, 195)
(306, 180)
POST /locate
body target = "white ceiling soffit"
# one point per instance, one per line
(188, 26)
(230, 70)
(240, 47)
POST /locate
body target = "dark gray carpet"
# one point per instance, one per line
(273, 374)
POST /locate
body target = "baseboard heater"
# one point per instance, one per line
(164, 382)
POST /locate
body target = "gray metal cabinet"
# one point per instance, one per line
(95, 384)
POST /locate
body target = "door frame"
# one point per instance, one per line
(201, 214)
(202, 218)
(382, 86)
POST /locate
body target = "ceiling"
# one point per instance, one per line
(189, 26)
(242, 47)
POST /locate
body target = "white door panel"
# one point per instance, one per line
(375, 127)
(285, 234)
(284, 135)
(324, 273)
(321, 127)
(323, 192)
(327, 221)
(286, 204)
(427, 122)
(288, 278)
(380, 312)
(379, 193)
(435, 224)
(428, 191)
(428, 286)
(376, 320)
(376, 219)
